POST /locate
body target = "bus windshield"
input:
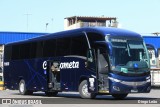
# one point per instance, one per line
(129, 54)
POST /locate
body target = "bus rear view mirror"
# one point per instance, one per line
(90, 55)
(90, 59)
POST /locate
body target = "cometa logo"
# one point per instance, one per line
(69, 65)
(62, 65)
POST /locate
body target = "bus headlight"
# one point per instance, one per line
(149, 80)
(113, 79)
(148, 77)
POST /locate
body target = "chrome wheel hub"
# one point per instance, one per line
(22, 87)
(85, 90)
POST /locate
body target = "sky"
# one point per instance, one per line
(141, 16)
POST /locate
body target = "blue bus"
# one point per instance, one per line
(91, 61)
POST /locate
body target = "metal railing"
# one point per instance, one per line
(90, 24)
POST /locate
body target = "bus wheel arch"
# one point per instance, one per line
(83, 90)
(82, 79)
(22, 88)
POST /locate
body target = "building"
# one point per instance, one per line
(87, 21)
(7, 37)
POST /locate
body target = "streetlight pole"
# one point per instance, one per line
(47, 26)
(27, 15)
(52, 24)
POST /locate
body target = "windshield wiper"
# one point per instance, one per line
(129, 54)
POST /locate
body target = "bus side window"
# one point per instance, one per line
(79, 45)
(102, 63)
(33, 50)
(8, 53)
(15, 52)
(63, 46)
(39, 51)
(103, 60)
(49, 48)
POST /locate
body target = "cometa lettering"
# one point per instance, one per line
(69, 65)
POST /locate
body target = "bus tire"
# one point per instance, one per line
(83, 90)
(119, 96)
(29, 92)
(51, 93)
(22, 88)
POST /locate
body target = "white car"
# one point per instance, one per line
(155, 76)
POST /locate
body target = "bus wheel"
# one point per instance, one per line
(119, 96)
(22, 88)
(51, 93)
(83, 90)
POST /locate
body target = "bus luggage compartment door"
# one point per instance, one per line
(53, 75)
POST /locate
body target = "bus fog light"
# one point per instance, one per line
(116, 88)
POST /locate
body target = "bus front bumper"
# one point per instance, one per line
(119, 86)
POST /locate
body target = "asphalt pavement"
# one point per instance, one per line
(73, 98)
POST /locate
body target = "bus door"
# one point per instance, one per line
(92, 66)
(103, 69)
(98, 62)
(53, 75)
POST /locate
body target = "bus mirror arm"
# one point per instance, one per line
(89, 60)
(106, 66)
(150, 55)
(86, 64)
